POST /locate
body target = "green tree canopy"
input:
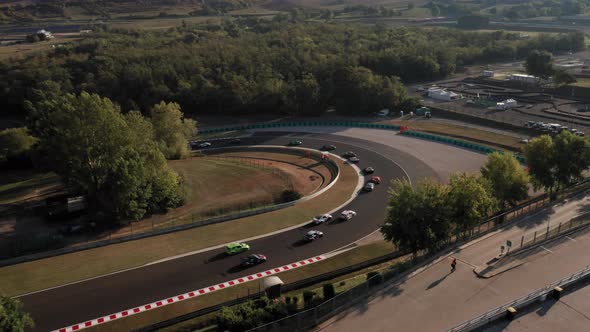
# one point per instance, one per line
(171, 131)
(470, 200)
(12, 316)
(540, 158)
(563, 77)
(540, 64)
(572, 157)
(15, 143)
(508, 179)
(109, 157)
(417, 218)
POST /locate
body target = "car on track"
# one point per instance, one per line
(354, 160)
(349, 154)
(236, 248)
(322, 219)
(368, 170)
(204, 145)
(375, 179)
(295, 143)
(253, 259)
(235, 141)
(347, 214)
(328, 147)
(369, 186)
(313, 235)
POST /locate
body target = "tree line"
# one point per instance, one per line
(424, 217)
(251, 66)
(118, 161)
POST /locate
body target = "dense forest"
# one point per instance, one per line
(253, 66)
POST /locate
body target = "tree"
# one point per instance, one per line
(417, 218)
(540, 158)
(572, 158)
(111, 158)
(540, 64)
(12, 316)
(507, 178)
(15, 144)
(563, 77)
(470, 200)
(171, 130)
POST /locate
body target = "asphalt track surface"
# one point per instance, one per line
(79, 302)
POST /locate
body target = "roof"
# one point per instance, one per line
(270, 281)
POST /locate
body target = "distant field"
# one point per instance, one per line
(20, 185)
(22, 50)
(582, 82)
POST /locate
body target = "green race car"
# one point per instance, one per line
(295, 143)
(236, 248)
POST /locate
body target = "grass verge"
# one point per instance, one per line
(354, 256)
(59, 270)
(19, 185)
(492, 139)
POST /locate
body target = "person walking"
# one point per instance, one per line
(453, 265)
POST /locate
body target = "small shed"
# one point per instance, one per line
(272, 286)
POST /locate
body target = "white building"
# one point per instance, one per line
(506, 104)
(442, 94)
(530, 79)
(44, 34)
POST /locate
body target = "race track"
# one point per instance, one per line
(67, 305)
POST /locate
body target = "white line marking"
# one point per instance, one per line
(567, 237)
(546, 249)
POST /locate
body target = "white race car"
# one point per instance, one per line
(322, 219)
(347, 214)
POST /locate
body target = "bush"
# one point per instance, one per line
(342, 283)
(374, 278)
(329, 291)
(308, 298)
(289, 196)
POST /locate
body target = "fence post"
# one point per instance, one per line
(559, 229)
(547, 233)
(521, 241)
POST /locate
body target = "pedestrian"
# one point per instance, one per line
(453, 265)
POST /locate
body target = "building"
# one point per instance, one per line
(487, 73)
(442, 94)
(506, 104)
(529, 79)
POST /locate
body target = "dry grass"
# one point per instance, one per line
(54, 271)
(474, 135)
(19, 185)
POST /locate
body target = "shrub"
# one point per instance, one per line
(329, 291)
(289, 196)
(374, 278)
(342, 283)
(308, 298)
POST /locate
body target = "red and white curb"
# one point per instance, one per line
(189, 295)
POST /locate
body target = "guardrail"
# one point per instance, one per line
(500, 311)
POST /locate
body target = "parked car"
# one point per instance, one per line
(529, 124)
(252, 260)
(236, 248)
(369, 186)
(204, 145)
(328, 147)
(347, 214)
(354, 160)
(349, 154)
(322, 219)
(368, 170)
(375, 179)
(579, 133)
(313, 235)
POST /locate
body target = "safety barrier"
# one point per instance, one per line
(300, 124)
(500, 311)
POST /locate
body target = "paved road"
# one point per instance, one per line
(446, 299)
(82, 301)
